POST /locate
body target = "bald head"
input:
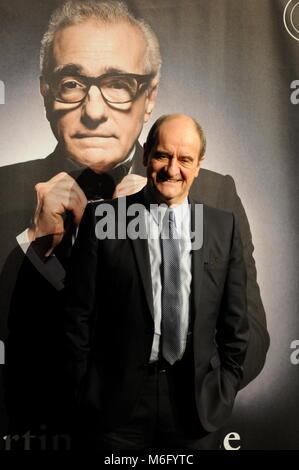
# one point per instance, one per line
(180, 119)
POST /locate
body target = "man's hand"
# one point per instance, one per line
(54, 197)
(131, 184)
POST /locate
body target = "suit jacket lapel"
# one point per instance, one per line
(196, 264)
(137, 161)
(140, 248)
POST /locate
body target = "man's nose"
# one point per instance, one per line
(173, 167)
(94, 106)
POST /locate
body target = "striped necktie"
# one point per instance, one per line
(172, 344)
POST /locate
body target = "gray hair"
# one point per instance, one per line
(108, 12)
(153, 135)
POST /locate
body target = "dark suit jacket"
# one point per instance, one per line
(31, 308)
(35, 313)
(109, 319)
(219, 191)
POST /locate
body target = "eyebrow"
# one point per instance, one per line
(76, 69)
(161, 153)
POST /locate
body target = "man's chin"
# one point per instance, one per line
(95, 159)
(166, 197)
(167, 193)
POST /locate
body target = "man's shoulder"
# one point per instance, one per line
(26, 171)
(17, 182)
(16, 168)
(211, 176)
(217, 219)
(213, 188)
(216, 213)
(211, 180)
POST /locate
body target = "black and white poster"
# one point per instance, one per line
(233, 65)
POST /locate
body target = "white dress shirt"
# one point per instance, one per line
(153, 220)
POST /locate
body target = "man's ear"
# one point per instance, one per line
(198, 167)
(44, 88)
(151, 99)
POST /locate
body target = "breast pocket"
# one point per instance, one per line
(216, 262)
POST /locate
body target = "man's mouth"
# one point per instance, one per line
(94, 136)
(170, 181)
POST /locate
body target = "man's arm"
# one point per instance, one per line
(80, 300)
(216, 190)
(53, 198)
(218, 388)
(49, 267)
(259, 338)
(232, 327)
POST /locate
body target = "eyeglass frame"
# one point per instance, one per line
(90, 81)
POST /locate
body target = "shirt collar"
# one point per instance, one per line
(181, 211)
(74, 165)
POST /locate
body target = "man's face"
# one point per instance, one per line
(94, 132)
(174, 162)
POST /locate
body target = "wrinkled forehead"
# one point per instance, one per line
(97, 48)
(179, 134)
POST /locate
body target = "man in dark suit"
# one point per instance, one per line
(97, 123)
(95, 135)
(157, 326)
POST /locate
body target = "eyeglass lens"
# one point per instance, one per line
(115, 89)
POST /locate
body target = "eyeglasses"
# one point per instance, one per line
(116, 88)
